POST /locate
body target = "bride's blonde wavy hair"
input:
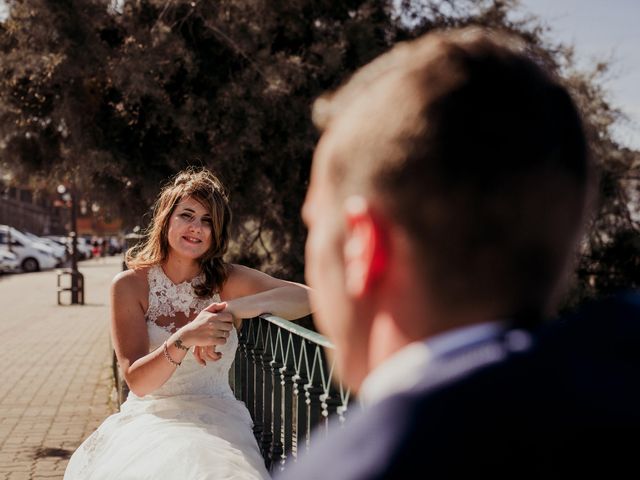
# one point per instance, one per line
(204, 187)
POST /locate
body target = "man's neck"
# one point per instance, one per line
(393, 330)
(406, 367)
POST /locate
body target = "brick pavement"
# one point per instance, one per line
(55, 375)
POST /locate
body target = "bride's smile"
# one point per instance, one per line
(189, 232)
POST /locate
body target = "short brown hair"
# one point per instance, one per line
(479, 154)
(204, 187)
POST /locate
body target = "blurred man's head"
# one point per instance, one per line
(453, 162)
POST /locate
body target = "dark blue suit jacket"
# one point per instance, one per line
(565, 406)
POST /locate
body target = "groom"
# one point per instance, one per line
(448, 191)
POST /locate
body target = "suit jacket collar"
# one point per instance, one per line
(405, 369)
(469, 358)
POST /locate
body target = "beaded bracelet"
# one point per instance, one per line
(165, 350)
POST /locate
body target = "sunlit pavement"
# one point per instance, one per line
(55, 377)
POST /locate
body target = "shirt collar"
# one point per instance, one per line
(404, 368)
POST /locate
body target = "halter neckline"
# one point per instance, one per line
(167, 298)
(189, 282)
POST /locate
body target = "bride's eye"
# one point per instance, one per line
(186, 216)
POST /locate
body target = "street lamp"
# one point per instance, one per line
(77, 279)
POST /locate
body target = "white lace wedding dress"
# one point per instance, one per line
(191, 428)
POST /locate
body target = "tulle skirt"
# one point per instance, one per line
(190, 437)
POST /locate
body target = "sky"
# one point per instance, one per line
(602, 30)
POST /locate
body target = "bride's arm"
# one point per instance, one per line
(249, 293)
(143, 371)
(146, 371)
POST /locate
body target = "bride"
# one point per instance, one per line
(181, 419)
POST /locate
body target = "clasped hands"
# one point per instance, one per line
(210, 328)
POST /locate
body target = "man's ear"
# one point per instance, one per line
(365, 248)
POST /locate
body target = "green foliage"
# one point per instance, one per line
(116, 102)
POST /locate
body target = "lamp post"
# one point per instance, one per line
(77, 279)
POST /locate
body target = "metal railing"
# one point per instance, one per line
(282, 375)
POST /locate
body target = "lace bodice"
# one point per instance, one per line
(167, 299)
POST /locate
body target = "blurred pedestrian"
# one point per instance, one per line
(96, 250)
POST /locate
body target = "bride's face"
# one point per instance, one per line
(190, 229)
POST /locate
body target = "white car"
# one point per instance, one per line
(31, 255)
(59, 251)
(8, 261)
(30, 238)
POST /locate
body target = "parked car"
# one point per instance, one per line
(36, 242)
(8, 261)
(84, 250)
(59, 251)
(32, 256)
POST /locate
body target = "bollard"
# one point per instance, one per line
(76, 288)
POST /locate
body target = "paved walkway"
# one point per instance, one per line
(55, 369)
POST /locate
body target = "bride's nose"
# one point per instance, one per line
(195, 225)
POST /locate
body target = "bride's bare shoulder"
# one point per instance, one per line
(132, 281)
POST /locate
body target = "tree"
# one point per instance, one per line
(120, 101)
(117, 101)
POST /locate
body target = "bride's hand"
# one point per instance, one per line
(211, 327)
(203, 353)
